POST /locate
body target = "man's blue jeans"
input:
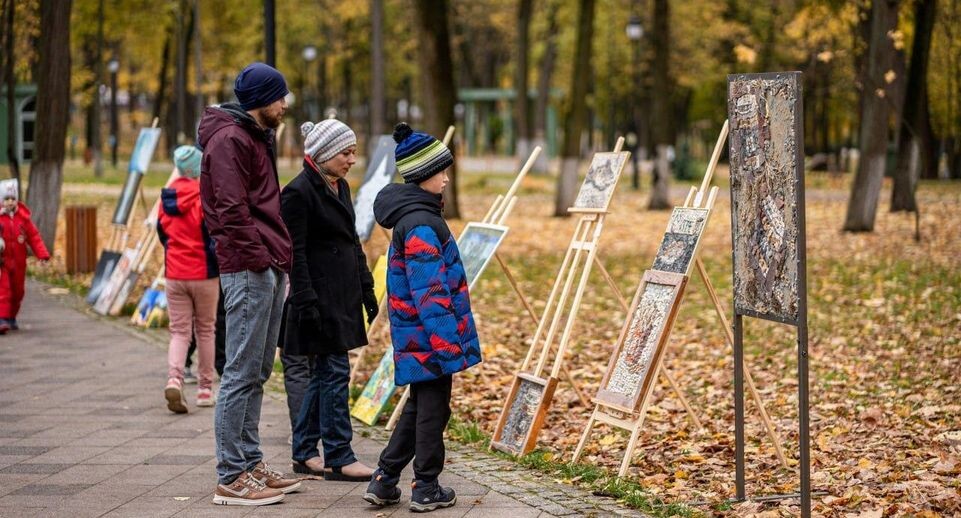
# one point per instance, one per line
(325, 413)
(254, 303)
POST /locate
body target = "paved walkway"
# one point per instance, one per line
(84, 432)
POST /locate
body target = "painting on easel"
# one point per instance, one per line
(764, 163)
(598, 187)
(477, 245)
(633, 364)
(377, 392)
(679, 245)
(529, 397)
(380, 172)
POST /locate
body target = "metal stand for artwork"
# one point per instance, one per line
(631, 419)
(531, 393)
(765, 109)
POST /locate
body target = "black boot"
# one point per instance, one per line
(430, 496)
(382, 489)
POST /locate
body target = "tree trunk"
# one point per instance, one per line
(875, 112)
(11, 81)
(440, 92)
(378, 77)
(161, 95)
(917, 152)
(575, 117)
(522, 112)
(544, 75)
(198, 69)
(53, 108)
(96, 113)
(662, 113)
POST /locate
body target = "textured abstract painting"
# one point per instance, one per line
(477, 245)
(632, 365)
(766, 168)
(521, 415)
(598, 187)
(680, 240)
(380, 172)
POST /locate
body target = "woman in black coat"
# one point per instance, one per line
(331, 292)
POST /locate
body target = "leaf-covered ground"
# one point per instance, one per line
(885, 344)
(885, 357)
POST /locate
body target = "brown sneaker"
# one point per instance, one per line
(246, 490)
(273, 478)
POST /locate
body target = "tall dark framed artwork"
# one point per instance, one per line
(766, 174)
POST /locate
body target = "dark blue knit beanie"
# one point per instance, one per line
(259, 85)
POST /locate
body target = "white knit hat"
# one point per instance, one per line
(8, 189)
(323, 140)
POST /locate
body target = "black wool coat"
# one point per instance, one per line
(329, 270)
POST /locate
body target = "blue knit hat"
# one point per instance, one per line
(259, 85)
(187, 160)
(419, 155)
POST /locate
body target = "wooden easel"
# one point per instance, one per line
(577, 263)
(633, 419)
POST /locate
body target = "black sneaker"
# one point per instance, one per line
(382, 489)
(430, 496)
(13, 324)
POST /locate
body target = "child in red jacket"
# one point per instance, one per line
(192, 285)
(17, 231)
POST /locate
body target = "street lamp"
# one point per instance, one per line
(309, 54)
(635, 31)
(113, 66)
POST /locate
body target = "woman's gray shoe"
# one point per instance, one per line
(426, 497)
(382, 490)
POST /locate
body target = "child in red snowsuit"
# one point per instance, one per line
(17, 231)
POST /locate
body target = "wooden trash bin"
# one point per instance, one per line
(81, 248)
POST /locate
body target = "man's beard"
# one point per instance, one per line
(273, 122)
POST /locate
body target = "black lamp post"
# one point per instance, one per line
(113, 66)
(635, 31)
(309, 54)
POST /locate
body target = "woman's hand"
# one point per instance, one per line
(371, 305)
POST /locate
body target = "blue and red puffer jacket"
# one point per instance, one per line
(188, 250)
(431, 324)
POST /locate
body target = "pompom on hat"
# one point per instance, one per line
(325, 139)
(259, 85)
(187, 160)
(419, 155)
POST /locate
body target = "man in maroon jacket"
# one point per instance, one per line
(240, 193)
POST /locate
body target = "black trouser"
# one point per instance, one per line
(220, 339)
(420, 432)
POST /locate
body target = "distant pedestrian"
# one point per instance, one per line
(241, 201)
(17, 231)
(192, 285)
(331, 293)
(431, 325)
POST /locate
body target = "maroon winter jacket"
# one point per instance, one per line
(240, 192)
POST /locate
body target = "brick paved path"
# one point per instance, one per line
(84, 431)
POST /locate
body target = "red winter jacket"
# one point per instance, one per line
(188, 249)
(18, 231)
(241, 193)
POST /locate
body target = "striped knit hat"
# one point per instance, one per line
(323, 140)
(419, 155)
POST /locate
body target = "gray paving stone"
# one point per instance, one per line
(24, 450)
(45, 469)
(50, 489)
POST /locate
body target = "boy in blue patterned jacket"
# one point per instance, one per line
(431, 325)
